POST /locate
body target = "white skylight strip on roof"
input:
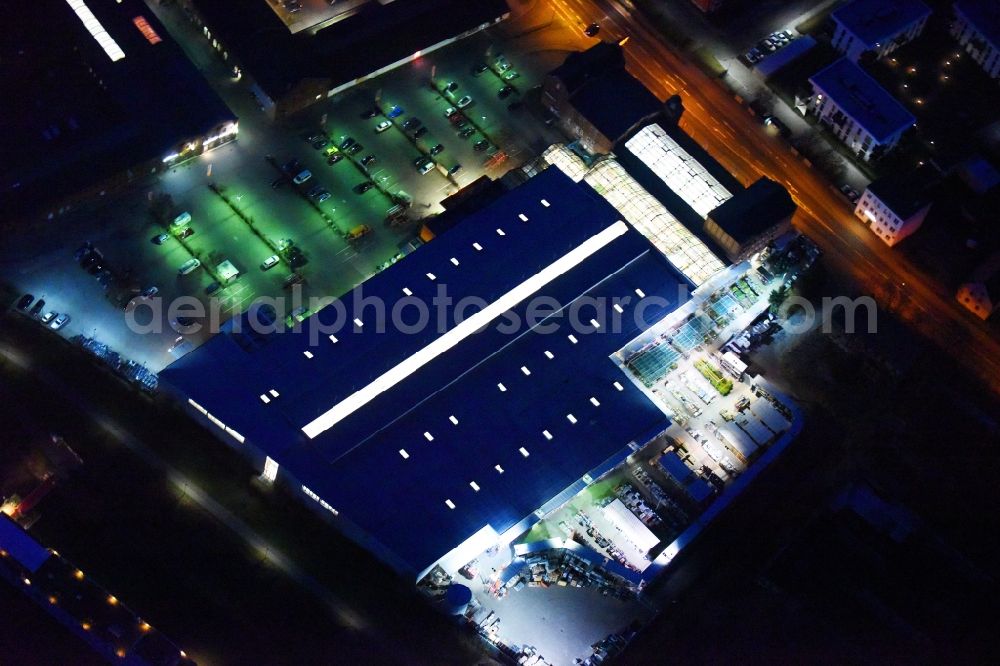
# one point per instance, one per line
(474, 486)
(429, 437)
(404, 454)
(333, 338)
(449, 504)
(264, 399)
(453, 420)
(595, 402)
(572, 338)
(454, 261)
(406, 290)
(274, 394)
(307, 354)
(500, 232)
(547, 434)
(431, 276)
(477, 246)
(640, 293)
(618, 308)
(96, 30)
(549, 355)
(678, 169)
(524, 452)
(503, 389)
(525, 370)
(498, 468)
(522, 217)
(464, 329)
(571, 418)
(545, 203)
(619, 386)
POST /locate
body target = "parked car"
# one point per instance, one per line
(516, 105)
(333, 159)
(347, 142)
(450, 111)
(425, 166)
(396, 112)
(188, 231)
(777, 125)
(368, 160)
(323, 196)
(437, 149)
(451, 86)
(314, 190)
(37, 307)
(48, 316)
(383, 126)
(369, 113)
(481, 145)
(149, 292)
(455, 169)
(24, 302)
(459, 122)
(270, 262)
(159, 239)
(302, 176)
(361, 188)
(181, 220)
(278, 182)
(479, 68)
(83, 250)
(505, 92)
(412, 123)
(359, 231)
(355, 149)
(291, 166)
(420, 132)
(510, 75)
(189, 266)
(464, 102)
(592, 30)
(467, 132)
(322, 142)
(59, 322)
(851, 193)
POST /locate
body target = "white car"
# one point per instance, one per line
(189, 266)
(302, 176)
(59, 322)
(464, 102)
(48, 316)
(383, 126)
(270, 262)
(149, 292)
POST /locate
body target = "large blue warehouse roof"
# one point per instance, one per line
(562, 398)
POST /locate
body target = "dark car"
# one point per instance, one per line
(417, 161)
(355, 149)
(291, 166)
(24, 301)
(480, 68)
(321, 142)
(333, 159)
(278, 182)
(460, 122)
(159, 239)
(439, 148)
(188, 231)
(412, 123)
(347, 142)
(452, 86)
(516, 105)
(369, 113)
(367, 160)
(420, 132)
(505, 92)
(481, 145)
(467, 132)
(592, 30)
(361, 188)
(39, 304)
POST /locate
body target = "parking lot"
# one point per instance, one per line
(255, 210)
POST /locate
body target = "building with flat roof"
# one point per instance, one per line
(595, 99)
(429, 441)
(981, 294)
(857, 109)
(977, 29)
(895, 206)
(745, 224)
(100, 96)
(878, 27)
(292, 63)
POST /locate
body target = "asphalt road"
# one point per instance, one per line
(731, 134)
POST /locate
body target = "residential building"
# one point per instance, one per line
(895, 206)
(708, 5)
(595, 99)
(981, 294)
(103, 97)
(857, 109)
(293, 59)
(977, 29)
(746, 223)
(431, 444)
(877, 27)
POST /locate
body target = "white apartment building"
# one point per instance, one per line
(895, 206)
(977, 29)
(878, 26)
